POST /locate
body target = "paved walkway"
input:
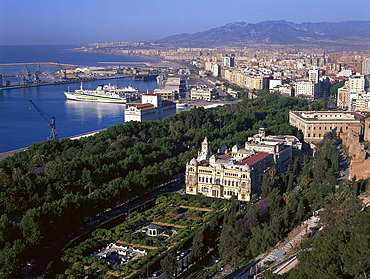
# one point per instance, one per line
(10, 153)
(279, 254)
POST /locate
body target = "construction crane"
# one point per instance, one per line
(27, 76)
(63, 71)
(37, 75)
(51, 123)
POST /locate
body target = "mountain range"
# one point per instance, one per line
(345, 34)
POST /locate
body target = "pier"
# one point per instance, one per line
(67, 81)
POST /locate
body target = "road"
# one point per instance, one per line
(343, 166)
(278, 255)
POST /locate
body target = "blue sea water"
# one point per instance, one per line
(21, 125)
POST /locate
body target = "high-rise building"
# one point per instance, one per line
(313, 75)
(228, 61)
(366, 67)
(307, 89)
(356, 83)
(216, 71)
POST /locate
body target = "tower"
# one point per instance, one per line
(205, 152)
(366, 67)
(367, 129)
(313, 75)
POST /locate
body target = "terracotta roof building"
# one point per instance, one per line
(238, 172)
(152, 108)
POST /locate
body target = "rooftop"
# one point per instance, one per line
(250, 161)
(328, 115)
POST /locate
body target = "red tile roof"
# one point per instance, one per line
(250, 161)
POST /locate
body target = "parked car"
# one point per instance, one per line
(157, 273)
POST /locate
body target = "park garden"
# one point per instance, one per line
(167, 226)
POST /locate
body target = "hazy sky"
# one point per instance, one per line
(25, 22)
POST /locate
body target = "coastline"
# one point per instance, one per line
(10, 153)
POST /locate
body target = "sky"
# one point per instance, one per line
(81, 22)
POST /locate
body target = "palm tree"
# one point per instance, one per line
(59, 186)
(17, 176)
(89, 185)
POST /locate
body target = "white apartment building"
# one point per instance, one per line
(307, 89)
(216, 70)
(227, 61)
(274, 83)
(356, 83)
(366, 67)
(152, 108)
(313, 75)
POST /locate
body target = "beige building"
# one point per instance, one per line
(169, 94)
(203, 93)
(254, 82)
(360, 102)
(283, 148)
(314, 124)
(238, 172)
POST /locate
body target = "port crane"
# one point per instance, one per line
(27, 76)
(51, 123)
(37, 75)
(63, 71)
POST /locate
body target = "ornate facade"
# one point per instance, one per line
(236, 172)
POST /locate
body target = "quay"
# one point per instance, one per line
(67, 81)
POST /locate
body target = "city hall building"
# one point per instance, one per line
(238, 172)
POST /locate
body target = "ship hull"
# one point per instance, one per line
(94, 98)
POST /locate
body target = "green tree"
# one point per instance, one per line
(169, 265)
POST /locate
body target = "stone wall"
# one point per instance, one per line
(360, 159)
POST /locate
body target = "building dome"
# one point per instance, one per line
(246, 167)
(223, 149)
(194, 162)
(212, 159)
(235, 148)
